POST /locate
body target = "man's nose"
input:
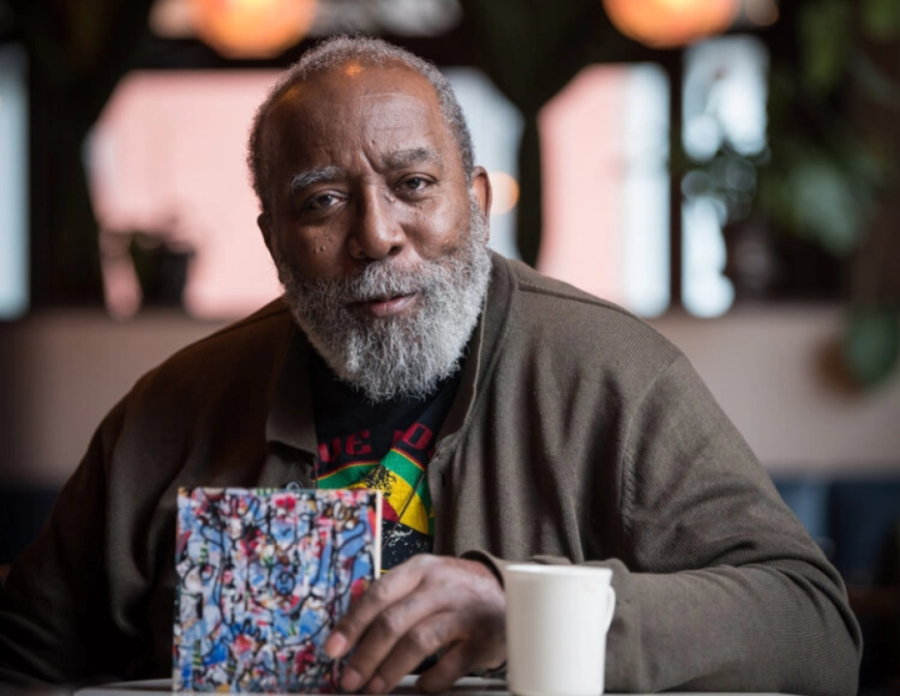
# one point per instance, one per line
(377, 229)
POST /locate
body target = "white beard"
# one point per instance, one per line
(400, 356)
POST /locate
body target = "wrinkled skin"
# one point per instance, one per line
(430, 604)
(364, 168)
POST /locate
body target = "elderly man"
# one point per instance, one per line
(541, 423)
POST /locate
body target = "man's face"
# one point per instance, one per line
(377, 236)
(364, 168)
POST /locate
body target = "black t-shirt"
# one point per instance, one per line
(382, 447)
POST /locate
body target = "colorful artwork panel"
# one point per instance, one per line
(263, 576)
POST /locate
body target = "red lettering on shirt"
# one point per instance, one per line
(358, 443)
(418, 436)
(327, 454)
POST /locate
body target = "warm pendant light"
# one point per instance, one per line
(667, 23)
(252, 28)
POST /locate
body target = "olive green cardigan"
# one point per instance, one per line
(578, 435)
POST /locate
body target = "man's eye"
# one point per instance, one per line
(321, 201)
(414, 184)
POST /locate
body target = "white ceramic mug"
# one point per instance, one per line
(557, 618)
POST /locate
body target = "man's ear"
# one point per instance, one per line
(481, 190)
(264, 223)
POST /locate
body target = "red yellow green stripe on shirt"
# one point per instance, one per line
(396, 477)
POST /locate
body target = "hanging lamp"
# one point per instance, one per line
(252, 28)
(670, 23)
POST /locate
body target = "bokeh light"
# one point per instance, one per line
(668, 23)
(253, 28)
(506, 192)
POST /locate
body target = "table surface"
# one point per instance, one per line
(469, 686)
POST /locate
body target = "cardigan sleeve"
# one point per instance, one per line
(722, 587)
(718, 586)
(56, 623)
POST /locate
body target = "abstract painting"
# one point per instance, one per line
(263, 575)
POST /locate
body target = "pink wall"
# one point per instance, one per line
(169, 149)
(582, 157)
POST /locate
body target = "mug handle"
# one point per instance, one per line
(610, 608)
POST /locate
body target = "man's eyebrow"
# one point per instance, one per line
(314, 176)
(416, 155)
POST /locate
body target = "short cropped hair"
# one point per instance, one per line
(332, 53)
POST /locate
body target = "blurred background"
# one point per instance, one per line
(727, 169)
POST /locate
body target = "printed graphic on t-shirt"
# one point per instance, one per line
(407, 513)
(385, 446)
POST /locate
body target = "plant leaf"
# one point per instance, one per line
(824, 43)
(825, 205)
(881, 19)
(872, 345)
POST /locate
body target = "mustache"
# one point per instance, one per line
(379, 280)
(382, 280)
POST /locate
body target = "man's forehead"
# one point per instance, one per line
(377, 101)
(354, 80)
(390, 114)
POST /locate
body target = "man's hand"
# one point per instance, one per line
(426, 605)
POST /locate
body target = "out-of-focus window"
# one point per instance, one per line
(604, 149)
(724, 131)
(607, 180)
(13, 183)
(167, 161)
(496, 128)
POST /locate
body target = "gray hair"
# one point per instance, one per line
(332, 53)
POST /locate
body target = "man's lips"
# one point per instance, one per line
(388, 306)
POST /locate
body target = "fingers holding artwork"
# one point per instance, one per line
(425, 606)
